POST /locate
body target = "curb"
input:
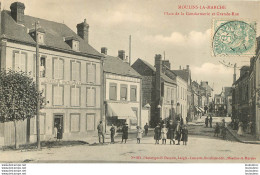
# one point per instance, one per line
(239, 140)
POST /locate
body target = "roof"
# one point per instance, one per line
(117, 66)
(183, 74)
(163, 76)
(54, 34)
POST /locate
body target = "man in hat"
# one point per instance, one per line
(178, 132)
(146, 129)
(125, 132)
(113, 131)
(100, 129)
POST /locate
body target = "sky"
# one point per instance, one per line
(186, 40)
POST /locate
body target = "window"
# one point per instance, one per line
(40, 38)
(133, 93)
(75, 122)
(91, 97)
(112, 91)
(58, 68)
(75, 71)
(58, 92)
(90, 122)
(123, 92)
(168, 95)
(42, 67)
(134, 121)
(75, 96)
(172, 91)
(91, 73)
(75, 45)
(20, 61)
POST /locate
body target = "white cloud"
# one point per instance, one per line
(218, 74)
(193, 38)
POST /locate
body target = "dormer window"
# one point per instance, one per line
(40, 36)
(73, 42)
(75, 45)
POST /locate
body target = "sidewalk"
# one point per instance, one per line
(246, 138)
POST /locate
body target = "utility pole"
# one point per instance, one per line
(38, 87)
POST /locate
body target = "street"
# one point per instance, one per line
(202, 147)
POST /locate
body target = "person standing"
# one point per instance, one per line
(157, 132)
(210, 121)
(139, 134)
(100, 129)
(207, 121)
(55, 131)
(178, 132)
(171, 132)
(113, 131)
(125, 132)
(217, 130)
(146, 129)
(240, 129)
(164, 131)
(184, 133)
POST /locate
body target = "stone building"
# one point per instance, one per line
(70, 74)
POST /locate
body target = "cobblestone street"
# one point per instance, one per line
(202, 147)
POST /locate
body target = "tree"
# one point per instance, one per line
(18, 96)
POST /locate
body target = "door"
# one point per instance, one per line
(58, 123)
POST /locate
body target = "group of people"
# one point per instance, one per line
(208, 121)
(161, 132)
(172, 132)
(221, 129)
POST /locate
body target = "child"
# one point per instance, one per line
(164, 134)
(185, 135)
(217, 130)
(139, 134)
(157, 134)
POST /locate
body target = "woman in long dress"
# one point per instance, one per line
(240, 129)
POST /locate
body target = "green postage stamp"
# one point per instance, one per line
(233, 38)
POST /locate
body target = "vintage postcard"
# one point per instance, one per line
(131, 81)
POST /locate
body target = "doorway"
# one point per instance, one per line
(58, 121)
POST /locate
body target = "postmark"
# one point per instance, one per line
(233, 38)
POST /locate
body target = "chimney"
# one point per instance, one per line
(188, 67)
(166, 63)
(104, 50)
(121, 54)
(17, 12)
(83, 29)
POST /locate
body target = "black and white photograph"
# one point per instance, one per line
(134, 81)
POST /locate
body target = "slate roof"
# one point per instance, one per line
(183, 74)
(164, 77)
(116, 66)
(55, 33)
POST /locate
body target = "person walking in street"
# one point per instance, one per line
(100, 129)
(217, 130)
(113, 132)
(210, 121)
(240, 129)
(170, 134)
(164, 131)
(157, 132)
(124, 132)
(184, 133)
(178, 132)
(139, 134)
(146, 129)
(207, 121)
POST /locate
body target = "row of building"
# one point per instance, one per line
(246, 94)
(82, 86)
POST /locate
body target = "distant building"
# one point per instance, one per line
(122, 91)
(158, 88)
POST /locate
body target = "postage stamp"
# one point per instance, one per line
(233, 38)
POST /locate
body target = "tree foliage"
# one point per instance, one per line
(18, 96)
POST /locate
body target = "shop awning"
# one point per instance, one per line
(120, 110)
(201, 109)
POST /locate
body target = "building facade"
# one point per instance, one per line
(70, 72)
(122, 89)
